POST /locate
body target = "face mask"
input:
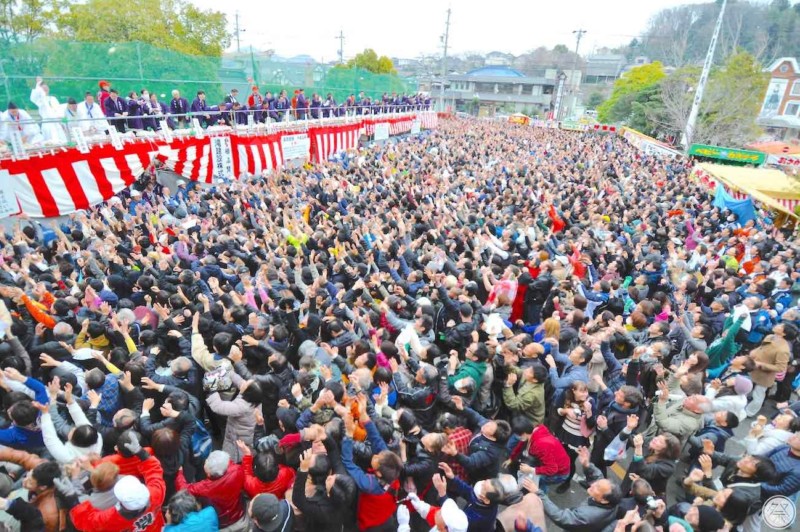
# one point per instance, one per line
(478, 489)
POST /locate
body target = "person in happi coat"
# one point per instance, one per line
(116, 110)
(92, 118)
(156, 111)
(302, 105)
(282, 105)
(255, 99)
(316, 105)
(18, 119)
(50, 112)
(232, 97)
(135, 111)
(178, 108)
(103, 93)
(199, 105)
(329, 106)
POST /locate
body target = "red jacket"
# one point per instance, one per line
(278, 487)
(127, 466)
(87, 517)
(548, 450)
(224, 493)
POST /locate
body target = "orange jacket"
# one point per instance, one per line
(39, 312)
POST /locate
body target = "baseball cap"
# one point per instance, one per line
(131, 493)
(269, 513)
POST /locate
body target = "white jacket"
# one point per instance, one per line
(66, 452)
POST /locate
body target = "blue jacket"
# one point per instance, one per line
(367, 483)
(788, 466)
(570, 374)
(202, 521)
(762, 325)
(481, 517)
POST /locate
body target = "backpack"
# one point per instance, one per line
(201, 442)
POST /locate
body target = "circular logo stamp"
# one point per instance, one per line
(779, 512)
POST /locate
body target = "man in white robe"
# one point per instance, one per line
(51, 113)
(19, 120)
(89, 109)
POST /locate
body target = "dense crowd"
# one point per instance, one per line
(437, 333)
(144, 111)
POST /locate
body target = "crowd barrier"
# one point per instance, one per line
(65, 180)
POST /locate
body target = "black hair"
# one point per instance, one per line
(23, 413)
(265, 466)
(385, 429)
(222, 343)
(179, 400)
(336, 389)
(320, 470)
(45, 473)
(84, 436)
(521, 425)
(343, 491)
(503, 431)
(252, 394)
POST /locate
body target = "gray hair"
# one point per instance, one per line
(63, 329)
(429, 372)
(181, 365)
(217, 463)
(180, 505)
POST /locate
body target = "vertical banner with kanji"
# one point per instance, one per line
(222, 157)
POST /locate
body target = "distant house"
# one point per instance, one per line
(780, 111)
(498, 59)
(603, 68)
(492, 90)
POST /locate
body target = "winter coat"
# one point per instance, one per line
(241, 422)
(85, 517)
(588, 517)
(224, 493)
(528, 401)
(201, 520)
(772, 357)
(470, 368)
(674, 419)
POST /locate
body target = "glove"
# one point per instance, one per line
(421, 507)
(133, 446)
(403, 516)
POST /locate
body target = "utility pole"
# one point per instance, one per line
(236, 30)
(445, 39)
(341, 46)
(688, 133)
(573, 78)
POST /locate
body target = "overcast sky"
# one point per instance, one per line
(410, 28)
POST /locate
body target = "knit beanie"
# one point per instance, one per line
(709, 520)
(742, 385)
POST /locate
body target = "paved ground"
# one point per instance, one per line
(577, 495)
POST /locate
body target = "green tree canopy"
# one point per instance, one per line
(369, 60)
(618, 107)
(171, 24)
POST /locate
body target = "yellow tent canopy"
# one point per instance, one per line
(771, 187)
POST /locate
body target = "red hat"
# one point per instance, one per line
(103, 82)
(255, 88)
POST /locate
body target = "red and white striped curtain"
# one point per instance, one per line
(66, 180)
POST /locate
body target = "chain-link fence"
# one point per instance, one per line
(73, 68)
